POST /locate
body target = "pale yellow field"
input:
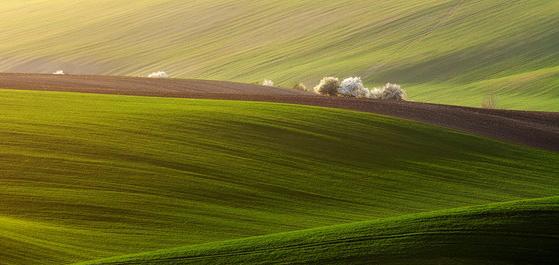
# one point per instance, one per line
(453, 52)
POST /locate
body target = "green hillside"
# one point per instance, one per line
(446, 51)
(524, 232)
(88, 176)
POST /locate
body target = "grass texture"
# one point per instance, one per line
(521, 232)
(445, 51)
(87, 176)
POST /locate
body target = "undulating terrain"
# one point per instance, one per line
(443, 51)
(88, 176)
(507, 233)
(101, 165)
(537, 129)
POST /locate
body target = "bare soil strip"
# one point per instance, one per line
(536, 129)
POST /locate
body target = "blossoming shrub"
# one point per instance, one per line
(393, 92)
(268, 83)
(159, 74)
(353, 87)
(328, 86)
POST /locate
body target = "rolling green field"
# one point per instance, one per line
(445, 51)
(522, 232)
(88, 176)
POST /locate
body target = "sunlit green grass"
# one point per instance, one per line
(446, 51)
(89, 176)
(523, 232)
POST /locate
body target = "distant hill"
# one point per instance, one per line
(456, 52)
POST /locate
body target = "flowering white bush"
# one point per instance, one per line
(328, 86)
(353, 87)
(59, 72)
(376, 93)
(159, 74)
(268, 83)
(388, 92)
(393, 92)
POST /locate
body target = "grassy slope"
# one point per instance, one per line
(447, 51)
(87, 176)
(522, 232)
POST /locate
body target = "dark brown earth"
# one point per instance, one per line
(536, 129)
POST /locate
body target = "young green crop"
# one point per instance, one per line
(87, 176)
(520, 232)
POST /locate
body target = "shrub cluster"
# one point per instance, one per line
(328, 86)
(159, 74)
(268, 83)
(392, 92)
(353, 87)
